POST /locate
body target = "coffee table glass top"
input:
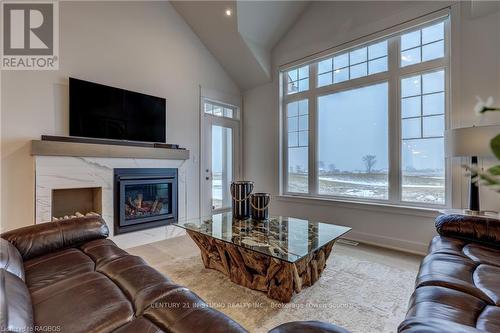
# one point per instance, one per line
(284, 238)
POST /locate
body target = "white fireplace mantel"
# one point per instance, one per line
(71, 170)
(80, 149)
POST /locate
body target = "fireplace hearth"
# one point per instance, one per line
(144, 198)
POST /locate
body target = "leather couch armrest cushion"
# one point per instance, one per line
(39, 239)
(15, 303)
(479, 229)
(10, 259)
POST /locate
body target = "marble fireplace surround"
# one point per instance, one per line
(65, 172)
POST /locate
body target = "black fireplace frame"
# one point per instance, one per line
(132, 176)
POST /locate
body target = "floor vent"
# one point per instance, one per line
(347, 242)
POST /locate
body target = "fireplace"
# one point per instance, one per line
(144, 198)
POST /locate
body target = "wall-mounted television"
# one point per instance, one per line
(100, 111)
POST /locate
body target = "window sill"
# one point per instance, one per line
(369, 206)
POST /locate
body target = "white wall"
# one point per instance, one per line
(141, 46)
(328, 24)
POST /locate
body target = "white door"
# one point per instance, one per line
(219, 156)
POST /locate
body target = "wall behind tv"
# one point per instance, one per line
(140, 46)
(476, 46)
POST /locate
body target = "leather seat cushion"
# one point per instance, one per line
(458, 283)
(139, 325)
(308, 327)
(417, 325)
(48, 269)
(102, 251)
(140, 282)
(84, 303)
(10, 259)
(183, 311)
(442, 303)
(16, 312)
(446, 245)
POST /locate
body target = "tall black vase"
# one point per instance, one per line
(240, 193)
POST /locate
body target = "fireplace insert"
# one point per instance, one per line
(144, 198)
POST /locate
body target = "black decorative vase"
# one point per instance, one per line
(240, 193)
(260, 205)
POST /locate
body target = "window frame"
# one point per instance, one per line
(395, 72)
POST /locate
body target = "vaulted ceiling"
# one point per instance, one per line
(242, 42)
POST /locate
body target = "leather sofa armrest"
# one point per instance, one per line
(479, 229)
(10, 259)
(39, 239)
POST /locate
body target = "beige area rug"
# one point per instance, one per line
(357, 290)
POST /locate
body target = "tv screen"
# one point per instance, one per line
(99, 111)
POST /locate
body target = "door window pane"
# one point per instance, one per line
(219, 111)
(228, 113)
(222, 166)
(353, 142)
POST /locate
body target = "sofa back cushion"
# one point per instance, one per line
(10, 259)
(480, 229)
(16, 313)
(39, 239)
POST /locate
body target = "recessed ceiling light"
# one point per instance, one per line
(228, 12)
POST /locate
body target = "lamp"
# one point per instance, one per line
(471, 142)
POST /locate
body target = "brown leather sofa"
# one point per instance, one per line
(458, 285)
(67, 277)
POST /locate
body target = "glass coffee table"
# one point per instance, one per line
(278, 256)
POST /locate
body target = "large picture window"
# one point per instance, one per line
(367, 122)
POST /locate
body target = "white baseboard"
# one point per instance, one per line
(388, 242)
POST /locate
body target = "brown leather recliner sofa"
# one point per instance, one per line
(458, 285)
(67, 277)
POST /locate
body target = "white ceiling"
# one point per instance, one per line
(242, 42)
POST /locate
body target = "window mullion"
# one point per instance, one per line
(284, 137)
(394, 122)
(313, 163)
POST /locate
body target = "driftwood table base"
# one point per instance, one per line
(279, 279)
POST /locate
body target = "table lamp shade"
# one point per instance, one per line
(470, 141)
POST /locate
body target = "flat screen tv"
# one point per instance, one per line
(99, 111)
